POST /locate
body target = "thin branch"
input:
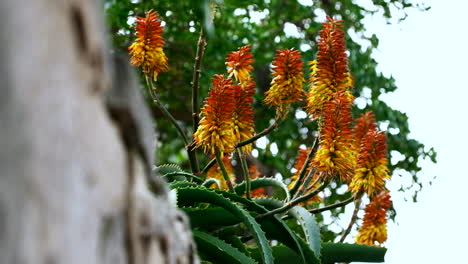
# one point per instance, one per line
(332, 206)
(245, 170)
(165, 112)
(223, 170)
(303, 171)
(346, 232)
(192, 158)
(259, 135)
(306, 183)
(196, 78)
(294, 202)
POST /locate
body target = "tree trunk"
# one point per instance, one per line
(76, 146)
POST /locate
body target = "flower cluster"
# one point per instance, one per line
(239, 64)
(215, 130)
(288, 78)
(374, 227)
(228, 113)
(336, 154)
(242, 117)
(329, 73)
(371, 170)
(147, 50)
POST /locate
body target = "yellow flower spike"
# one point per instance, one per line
(336, 154)
(329, 73)
(372, 171)
(374, 227)
(215, 129)
(239, 64)
(288, 79)
(147, 50)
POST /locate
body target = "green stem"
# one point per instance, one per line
(332, 206)
(192, 158)
(196, 78)
(295, 202)
(223, 170)
(306, 183)
(259, 135)
(245, 169)
(303, 171)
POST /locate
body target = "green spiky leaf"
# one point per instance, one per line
(309, 226)
(280, 190)
(209, 182)
(193, 195)
(276, 228)
(282, 255)
(342, 252)
(215, 250)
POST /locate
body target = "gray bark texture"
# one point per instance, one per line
(76, 146)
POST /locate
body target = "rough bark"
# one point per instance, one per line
(76, 146)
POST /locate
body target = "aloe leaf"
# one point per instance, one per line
(194, 195)
(210, 218)
(180, 184)
(268, 202)
(209, 182)
(276, 228)
(343, 252)
(174, 175)
(309, 226)
(216, 250)
(167, 168)
(281, 253)
(280, 189)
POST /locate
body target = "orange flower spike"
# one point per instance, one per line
(244, 127)
(215, 173)
(147, 50)
(371, 169)
(329, 73)
(336, 153)
(239, 64)
(363, 124)
(288, 78)
(215, 130)
(374, 227)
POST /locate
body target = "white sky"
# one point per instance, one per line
(427, 56)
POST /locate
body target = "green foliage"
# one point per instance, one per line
(227, 227)
(310, 228)
(280, 190)
(216, 250)
(235, 24)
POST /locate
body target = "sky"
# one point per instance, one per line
(426, 55)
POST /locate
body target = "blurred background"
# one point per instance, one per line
(408, 61)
